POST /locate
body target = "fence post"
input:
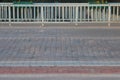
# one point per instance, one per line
(9, 9)
(109, 15)
(118, 12)
(42, 15)
(76, 16)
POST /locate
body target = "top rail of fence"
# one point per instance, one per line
(59, 4)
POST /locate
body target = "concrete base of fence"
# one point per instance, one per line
(59, 25)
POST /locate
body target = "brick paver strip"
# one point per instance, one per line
(49, 70)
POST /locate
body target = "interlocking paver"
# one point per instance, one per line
(59, 44)
(84, 49)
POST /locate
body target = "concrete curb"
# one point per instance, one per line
(58, 75)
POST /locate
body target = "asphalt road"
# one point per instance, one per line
(60, 77)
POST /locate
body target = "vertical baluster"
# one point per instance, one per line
(22, 13)
(6, 12)
(92, 13)
(66, 15)
(49, 13)
(100, 19)
(96, 11)
(0, 13)
(69, 13)
(55, 13)
(25, 13)
(46, 12)
(84, 13)
(63, 13)
(9, 11)
(113, 15)
(72, 10)
(38, 13)
(30, 10)
(52, 13)
(3, 12)
(88, 12)
(17, 13)
(59, 13)
(103, 14)
(76, 15)
(29, 13)
(13, 13)
(109, 15)
(34, 12)
(42, 15)
(119, 12)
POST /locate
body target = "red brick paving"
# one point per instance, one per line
(44, 70)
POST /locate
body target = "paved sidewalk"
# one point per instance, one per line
(39, 46)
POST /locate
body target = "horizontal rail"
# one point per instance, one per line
(60, 13)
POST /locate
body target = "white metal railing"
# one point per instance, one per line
(60, 13)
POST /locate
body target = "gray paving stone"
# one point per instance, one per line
(53, 48)
(59, 44)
